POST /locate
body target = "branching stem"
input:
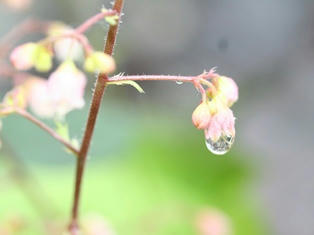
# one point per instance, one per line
(94, 19)
(153, 78)
(46, 128)
(93, 113)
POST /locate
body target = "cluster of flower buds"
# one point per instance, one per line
(31, 55)
(65, 47)
(64, 90)
(214, 115)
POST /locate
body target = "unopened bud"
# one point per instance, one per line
(15, 98)
(66, 88)
(201, 116)
(22, 57)
(43, 59)
(99, 62)
(30, 55)
(222, 123)
(227, 90)
(65, 47)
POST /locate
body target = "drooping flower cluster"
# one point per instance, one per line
(214, 115)
(65, 48)
(63, 91)
(31, 55)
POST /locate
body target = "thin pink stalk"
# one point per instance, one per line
(91, 21)
(153, 78)
(46, 128)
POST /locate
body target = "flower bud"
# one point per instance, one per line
(39, 98)
(99, 62)
(60, 94)
(221, 124)
(15, 98)
(31, 54)
(42, 59)
(201, 116)
(65, 48)
(22, 57)
(66, 88)
(227, 90)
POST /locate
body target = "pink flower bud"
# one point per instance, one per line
(15, 98)
(201, 116)
(60, 94)
(22, 57)
(99, 62)
(65, 48)
(68, 48)
(221, 124)
(227, 90)
(39, 98)
(66, 88)
(213, 222)
(32, 54)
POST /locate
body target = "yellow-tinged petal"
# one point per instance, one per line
(42, 59)
(99, 62)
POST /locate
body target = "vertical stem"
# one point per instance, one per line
(94, 109)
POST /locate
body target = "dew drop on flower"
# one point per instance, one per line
(179, 82)
(221, 146)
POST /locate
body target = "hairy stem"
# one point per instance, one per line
(46, 128)
(94, 109)
(153, 78)
(94, 19)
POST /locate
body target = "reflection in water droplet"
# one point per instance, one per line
(179, 82)
(221, 146)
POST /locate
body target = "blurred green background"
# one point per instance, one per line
(149, 171)
(147, 174)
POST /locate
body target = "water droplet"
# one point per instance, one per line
(221, 146)
(179, 82)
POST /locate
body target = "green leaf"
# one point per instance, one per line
(128, 82)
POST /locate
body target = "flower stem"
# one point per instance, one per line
(94, 109)
(46, 128)
(94, 19)
(153, 78)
